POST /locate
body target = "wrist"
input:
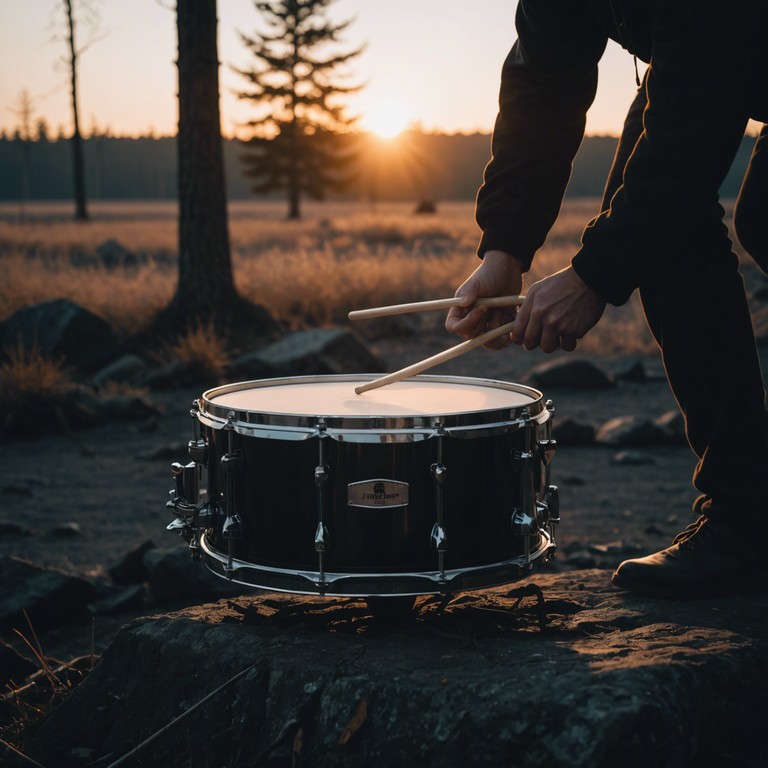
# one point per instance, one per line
(504, 260)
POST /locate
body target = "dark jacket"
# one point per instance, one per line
(708, 76)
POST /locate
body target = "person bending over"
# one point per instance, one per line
(660, 230)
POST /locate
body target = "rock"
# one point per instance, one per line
(62, 329)
(672, 426)
(174, 575)
(632, 459)
(570, 432)
(425, 206)
(567, 372)
(635, 373)
(130, 568)
(120, 599)
(319, 351)
(629, 431)
(249, 366)
(590, 678)
(49, 596)
(66, 530)
(128, 369)
(170, 376)
(14, 529)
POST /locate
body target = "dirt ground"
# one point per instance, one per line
(112, 480)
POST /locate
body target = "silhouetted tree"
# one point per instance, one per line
(78, 162)
(206, 289)
(205, 268)
(301, 141)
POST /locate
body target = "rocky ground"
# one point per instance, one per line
(79, 502)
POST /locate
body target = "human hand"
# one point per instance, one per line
(557, 311)
(499, 275)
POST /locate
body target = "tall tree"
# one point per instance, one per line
(205, 268)
(78, 161)
(301, 141)
(206, 290)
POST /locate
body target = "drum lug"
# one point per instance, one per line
(521, 460)
(198, 451)
(232, 527)
(186, 494)
(547, 450)
(321, 475)
(553, 504)
(438, 538)
(321, 536)
(523, 524)
(232, 462)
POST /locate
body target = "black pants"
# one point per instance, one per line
(699, 315)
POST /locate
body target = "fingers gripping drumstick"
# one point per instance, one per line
(441, 357)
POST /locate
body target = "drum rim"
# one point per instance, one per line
(219, 416)
(309, 582)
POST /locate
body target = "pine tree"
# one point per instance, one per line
(301, 142)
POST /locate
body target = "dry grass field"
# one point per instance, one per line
(341, 256)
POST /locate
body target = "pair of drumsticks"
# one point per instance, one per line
(440, 357)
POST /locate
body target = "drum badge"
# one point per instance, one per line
(377, 493)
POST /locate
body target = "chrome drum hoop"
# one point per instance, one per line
(370, 428)
(368, 584)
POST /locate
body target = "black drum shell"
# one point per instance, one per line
(276, 499)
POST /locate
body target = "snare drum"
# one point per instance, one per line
(432, 484)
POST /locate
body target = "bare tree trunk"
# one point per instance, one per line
(78, 162)
(294, 211)
(206, 285)
(206, 289)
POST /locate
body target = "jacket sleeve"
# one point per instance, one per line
(548, 83)
(693, 123)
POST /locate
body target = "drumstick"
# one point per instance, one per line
(440, 357)
(423, 306)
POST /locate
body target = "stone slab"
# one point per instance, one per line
(557, 670)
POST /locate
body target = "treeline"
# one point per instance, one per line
(414, 167)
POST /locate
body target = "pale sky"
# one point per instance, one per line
(431, 62)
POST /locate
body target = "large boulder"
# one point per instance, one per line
(319, 351)
(564, 671)
(62, 329)
(44, 597)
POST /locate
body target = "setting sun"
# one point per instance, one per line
(386, 119)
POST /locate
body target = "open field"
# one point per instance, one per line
(341, 256)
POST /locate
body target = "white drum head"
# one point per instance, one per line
(412, 397)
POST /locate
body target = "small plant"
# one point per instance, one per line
(202, 350)
(26, 704)
(33, 388)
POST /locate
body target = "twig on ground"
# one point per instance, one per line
(20, 754)
(140, 747)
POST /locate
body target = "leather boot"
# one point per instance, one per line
(707, 558)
